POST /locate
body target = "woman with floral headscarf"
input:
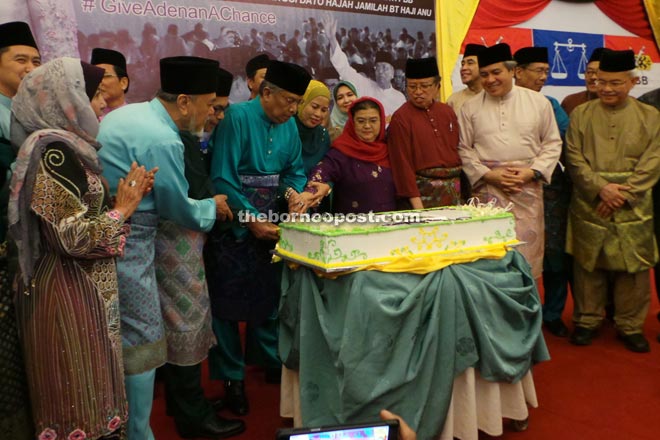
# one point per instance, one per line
(68, 235)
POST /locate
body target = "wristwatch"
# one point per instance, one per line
(537, 176)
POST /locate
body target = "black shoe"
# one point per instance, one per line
(213, 427)
(635, 342)
(217, 404)
(273, 375)
(556, 327)
(235, 398)
(582, 336)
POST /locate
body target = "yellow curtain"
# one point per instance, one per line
(452, 21)
(653, 11)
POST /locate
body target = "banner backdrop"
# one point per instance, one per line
(569, 50)
(235, 31)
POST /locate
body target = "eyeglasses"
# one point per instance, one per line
(539, 70)
(109, 75)
(615, 84)
(362, 122)
(217, 109)
(422, 87)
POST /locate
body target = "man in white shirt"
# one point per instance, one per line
(510, 145)
(469, 76)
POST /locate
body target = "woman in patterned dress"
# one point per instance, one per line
(68, 236)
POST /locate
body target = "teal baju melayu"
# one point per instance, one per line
(5, 116)
(7, 157)
(145, 133)
(254, 161)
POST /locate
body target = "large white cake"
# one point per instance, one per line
(338, 244)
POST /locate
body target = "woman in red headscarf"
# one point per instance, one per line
(358, 164)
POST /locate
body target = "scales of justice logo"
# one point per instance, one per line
(559, 71)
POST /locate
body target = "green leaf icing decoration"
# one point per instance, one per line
(328, 252)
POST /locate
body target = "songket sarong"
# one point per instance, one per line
(244, 284)
(184, 296)
(15, 420)
(623, 243)
(527, 208)
(439, 186)
(142, 330)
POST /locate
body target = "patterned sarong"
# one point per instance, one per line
(439, 186)
(243, 282)
(527, 210)
(184, 297)
(142, 331)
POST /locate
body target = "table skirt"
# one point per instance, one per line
(476, 404)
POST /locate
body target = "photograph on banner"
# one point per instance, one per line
(399, 8)
(233, 32)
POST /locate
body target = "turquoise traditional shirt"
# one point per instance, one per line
(248, 143)
(6, 159)
(560, 116)
(5, 116)
(145, 133)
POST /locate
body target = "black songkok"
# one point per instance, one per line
(596, 54)
(225, 79)
(259, 62)
(617, 61)
(188, 75)
(288, 76)
(108, 56)
(529, 55)
(473, 49)
(16, 33)
(494, 54)
(93, 76)
(422, 68)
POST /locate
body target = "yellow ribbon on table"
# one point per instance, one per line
(419, 264)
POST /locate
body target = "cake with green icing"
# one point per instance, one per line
(347, 242)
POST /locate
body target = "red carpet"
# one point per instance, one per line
(601, 392)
